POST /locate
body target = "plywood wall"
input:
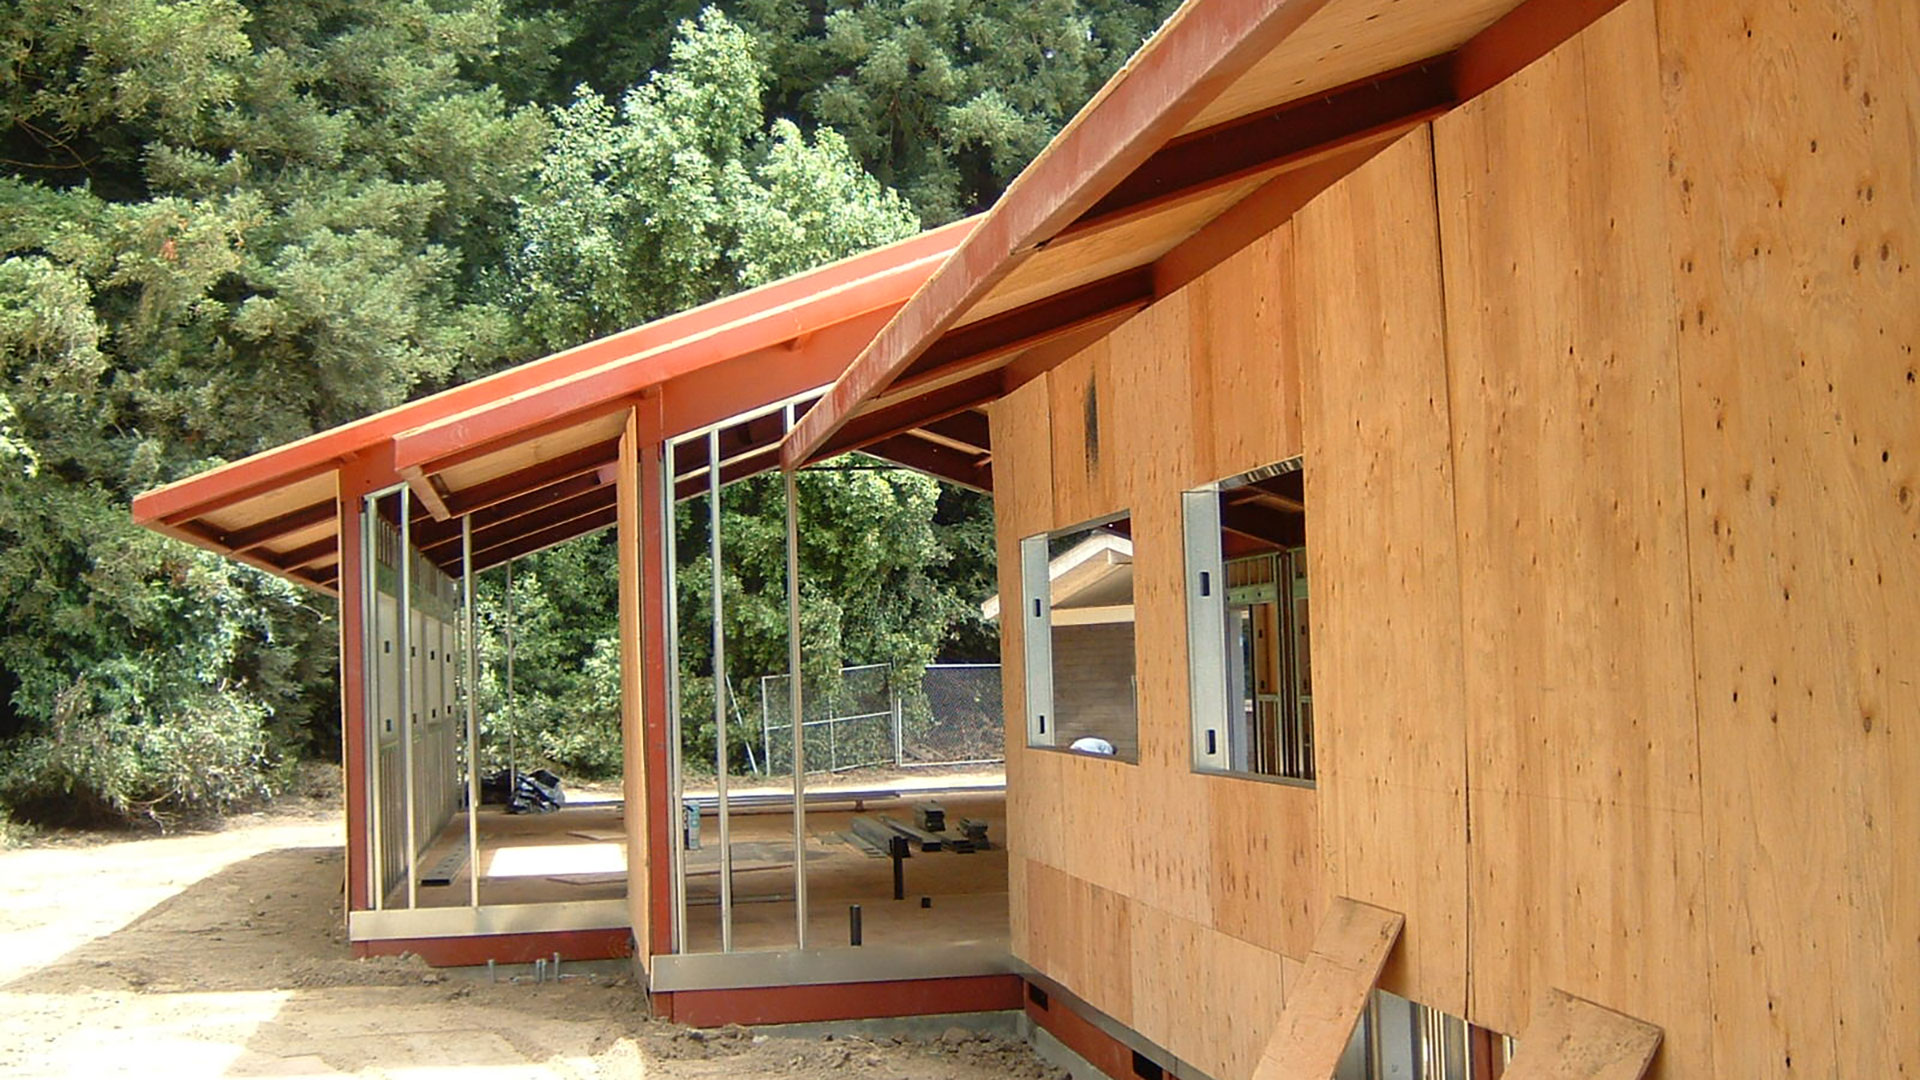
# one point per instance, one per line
(1792, 222)
(1606, 389)
(1389, 714)
(1564, 385)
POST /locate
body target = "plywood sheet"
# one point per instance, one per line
(1086, 438)
(1389, 709)
(1324, 1003)
(1350, 40)
(1209, 998)
(1571, 1039)
(1245, 364)
(1791, 195)
(1572, 538)
(1265, 878)
(1023, 505)
(1081, 936)
(634, 778)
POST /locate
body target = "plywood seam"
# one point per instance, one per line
(1459, 571)
(1680, 396)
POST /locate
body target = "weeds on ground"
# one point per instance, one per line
(13, 834)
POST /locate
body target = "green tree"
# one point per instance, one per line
(943, 100)
(219, 231)
(684, 194)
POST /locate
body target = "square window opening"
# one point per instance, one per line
(1077, 606)
(1248, 627)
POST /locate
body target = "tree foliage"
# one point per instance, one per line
(225, 224)
(943, 100)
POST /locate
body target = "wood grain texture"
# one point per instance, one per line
(1389, 708)
(1081, 403)
(1572, 1039)
(1023, 505)
(1244, 373)
(1183, 984)
(1349, 40)
(1325, 1002)
(1584, 797)
(1081, 936)
(1264, 882)
(1792, 198)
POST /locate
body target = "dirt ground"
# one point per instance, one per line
(224, 954)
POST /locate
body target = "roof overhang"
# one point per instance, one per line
(529, 453)
(1224, 124)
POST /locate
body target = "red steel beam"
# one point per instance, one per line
(445, 536)
(663, 818)
(512, 529)
(933, 459)
(1197, 54)
(1194, 166)
(689, 486)
(1520, 37)
(558, 533)
(900, 418)
(302, 558)
(871, 300)
(969, 427)
(587, 459)
(286, 524)
(1029, 324)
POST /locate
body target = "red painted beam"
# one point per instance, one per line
(903, 416)
(441, 537)
(663, 819)
(933, 459)
(690, 486)
(1196, 55)
(302, 558)
(1033, 324)
(1079, 1035)
(969, 427)
(272, 529)
(506, 532)
(540, 541)
(843, 1001)
(1199, 164)
(1520, 37)
(579, 462)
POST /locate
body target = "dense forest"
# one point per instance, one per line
(227, 224)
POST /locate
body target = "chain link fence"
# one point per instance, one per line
(871, 716)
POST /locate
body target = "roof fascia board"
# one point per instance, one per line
(1202, 49)
(801, 322)
(264, 471)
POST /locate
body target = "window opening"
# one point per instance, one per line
(1077, 606)
(1251, 676)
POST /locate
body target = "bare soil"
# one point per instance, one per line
(224, 954)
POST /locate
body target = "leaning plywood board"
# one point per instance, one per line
(1324, 1005)
(1573, 1039)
